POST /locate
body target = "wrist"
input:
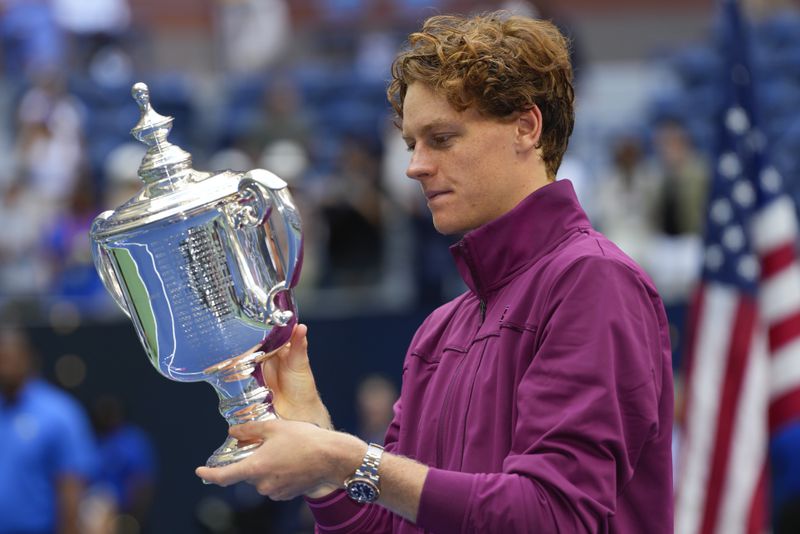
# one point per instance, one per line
(322, 417)
(313, 412)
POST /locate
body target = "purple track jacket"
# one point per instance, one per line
(541, 398)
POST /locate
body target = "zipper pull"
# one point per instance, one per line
(483, 310)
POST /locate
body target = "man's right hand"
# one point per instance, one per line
(287, 373)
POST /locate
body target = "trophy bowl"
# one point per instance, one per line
(204, 265)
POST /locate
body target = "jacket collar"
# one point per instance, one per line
(490, 255)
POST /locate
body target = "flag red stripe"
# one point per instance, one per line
(777, 259)
(783, 331)
(757, 519)
(738, 356)
(784, 409)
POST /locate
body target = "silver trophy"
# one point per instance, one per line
(204, 265)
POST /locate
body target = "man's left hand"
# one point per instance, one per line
(295, 458)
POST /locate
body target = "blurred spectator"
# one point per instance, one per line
(352, 210)
(254, 33)
(50, 150)
(30, 40)
(282, 117)
(375, 400)
(626, 199)
(684, 181)
(125, 479)
(69, 248)
(93, 27)
(683, 178)
(48, 450)
(24, 271)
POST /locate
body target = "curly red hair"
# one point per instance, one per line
(499, 64)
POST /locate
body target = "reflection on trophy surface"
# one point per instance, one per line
(204, 265)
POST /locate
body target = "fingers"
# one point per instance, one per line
(223, 476)
(256, 431)
(253, 431)
(238, 472)
(294, 354)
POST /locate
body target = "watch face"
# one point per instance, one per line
(362, 491)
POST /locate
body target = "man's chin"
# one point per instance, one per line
(452, 228)
(443, 228)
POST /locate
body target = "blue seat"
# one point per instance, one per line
(697, 66)
(781, 30)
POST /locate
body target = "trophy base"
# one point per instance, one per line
(247, 401)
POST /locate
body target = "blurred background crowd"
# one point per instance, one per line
(298, 87)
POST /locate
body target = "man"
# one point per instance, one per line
(541, 399)
(46, 447)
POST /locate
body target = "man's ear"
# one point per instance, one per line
(529, 129)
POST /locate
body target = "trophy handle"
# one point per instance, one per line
(278, 192)
(261, 191)
(105, 268)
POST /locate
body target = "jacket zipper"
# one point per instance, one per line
(446, 402)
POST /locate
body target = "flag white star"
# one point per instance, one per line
(736, 120)
(770, 179)
(733, 238)
(721, 211)
(729, 165)
(748, 267)
(744, 194)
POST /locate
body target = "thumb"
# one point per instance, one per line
(296, 357)
(271, 364)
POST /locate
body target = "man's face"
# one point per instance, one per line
(467, 163)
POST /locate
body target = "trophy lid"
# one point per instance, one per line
(171, 185)
(163, 159)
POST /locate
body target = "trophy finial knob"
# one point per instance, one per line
(163, 159)
(141, 93)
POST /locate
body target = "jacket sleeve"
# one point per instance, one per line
(337, 513)
(587, 405)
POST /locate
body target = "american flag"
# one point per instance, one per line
(743, 352)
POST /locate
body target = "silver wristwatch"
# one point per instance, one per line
(364, 485)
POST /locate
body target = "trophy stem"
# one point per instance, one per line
(243, 398)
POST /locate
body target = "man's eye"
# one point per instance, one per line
(441, 139)
(410, 147)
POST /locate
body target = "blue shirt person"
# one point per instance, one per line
(126, 466)
(46, 446)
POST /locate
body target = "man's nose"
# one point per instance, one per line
(421, 165)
